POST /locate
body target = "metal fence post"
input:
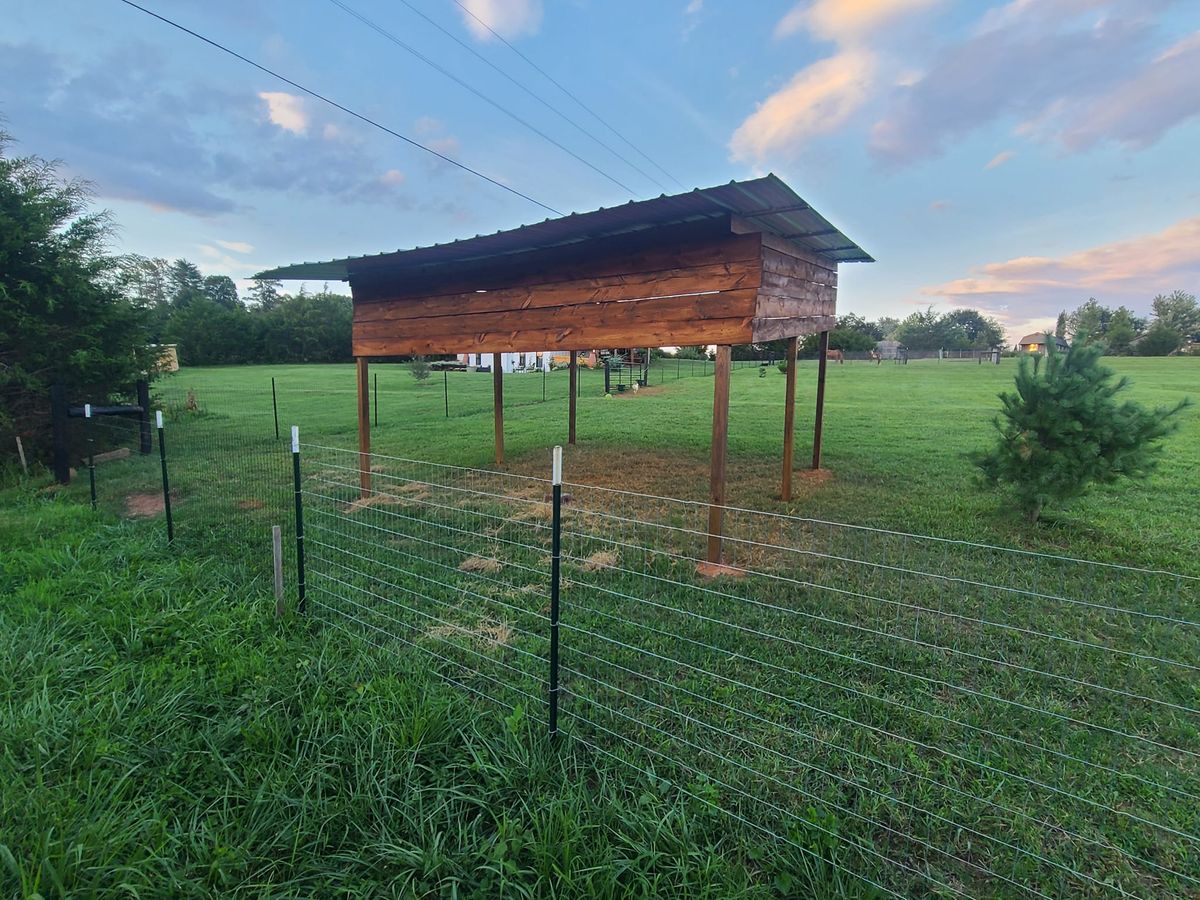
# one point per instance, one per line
(275, 407)
(555, 579)
(143, 399)
(162, 457)
(58, 424)
(91, 442)
(302, 605)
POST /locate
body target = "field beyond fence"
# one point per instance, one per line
(914, 715)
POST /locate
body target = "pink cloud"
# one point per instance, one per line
(1129, 271)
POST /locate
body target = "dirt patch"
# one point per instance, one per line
(143, 505)
(601, 559)
(717, 570)
(479, 564)
(813, 477)
(250, 504)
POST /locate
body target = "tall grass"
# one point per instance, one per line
(162, 735)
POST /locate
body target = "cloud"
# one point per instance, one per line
(691, 15)
(392, 178)
(1073, 72)
(1128, 271)
(286, 110)
(846, 21)
(1000, 159)
(508, 18)
(1138, 112)
(939, 205)
(818, 100)
(235, 246)
(120, 122)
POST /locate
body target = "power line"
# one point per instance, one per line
(546, 103)
(339, 106)
(567, 91)
(375, 26)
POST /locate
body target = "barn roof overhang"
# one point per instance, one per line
(764, 204)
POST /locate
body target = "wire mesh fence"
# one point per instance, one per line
(923, 716)
(927, 716)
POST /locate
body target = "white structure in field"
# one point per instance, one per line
(509, 362)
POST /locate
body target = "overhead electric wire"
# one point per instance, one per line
(567, 91)
(532, 93)
(379, 29)
(336, 105)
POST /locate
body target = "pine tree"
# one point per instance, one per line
(1060, 327)
(1064, 429)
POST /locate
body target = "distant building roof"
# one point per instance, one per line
(1042, 337)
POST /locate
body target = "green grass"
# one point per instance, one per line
(851, 707)
(164, 736)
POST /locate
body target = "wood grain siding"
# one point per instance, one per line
(703, 293)
(797, 293)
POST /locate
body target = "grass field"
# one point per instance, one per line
(1027, 725)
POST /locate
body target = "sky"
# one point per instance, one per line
(1017, 157)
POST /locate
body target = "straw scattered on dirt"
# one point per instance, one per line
(489, 634)
(479, 564)
(601, 559)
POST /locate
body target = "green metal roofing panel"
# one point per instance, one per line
(767, 202)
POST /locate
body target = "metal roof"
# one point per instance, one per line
(767, 202)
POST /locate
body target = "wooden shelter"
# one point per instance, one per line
(738, 263)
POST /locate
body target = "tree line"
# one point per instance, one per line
(1173, 323)
(211, 324)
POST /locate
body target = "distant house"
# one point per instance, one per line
(1039, 341)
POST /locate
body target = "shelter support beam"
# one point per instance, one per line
(720, 442)
(364, 426)
(789, 420)
(498, 405)
(573, 391)
(819, 422)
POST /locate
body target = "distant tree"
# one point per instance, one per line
(922, 330)
(1160, 339)
(1089, 322)
(980, 331)
(1121, 332)
(885, 327)
(1064, 429)
(221, 290)
(308, 328)
(419, 369)
(1060, 327)
(208, 334)
(264, 293)
(1178, 311)
(691, 353)
(63, 314)
(144, 280)
(185, 282)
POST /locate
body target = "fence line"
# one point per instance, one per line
(962, 726)
(924, 715)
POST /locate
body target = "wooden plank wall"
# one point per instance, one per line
(694, 290)
(798, 292)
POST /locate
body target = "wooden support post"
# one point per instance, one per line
(720, 438)
(498, 406)
(573, 391)
(820, 419)
(789, 420)
(364, 427)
